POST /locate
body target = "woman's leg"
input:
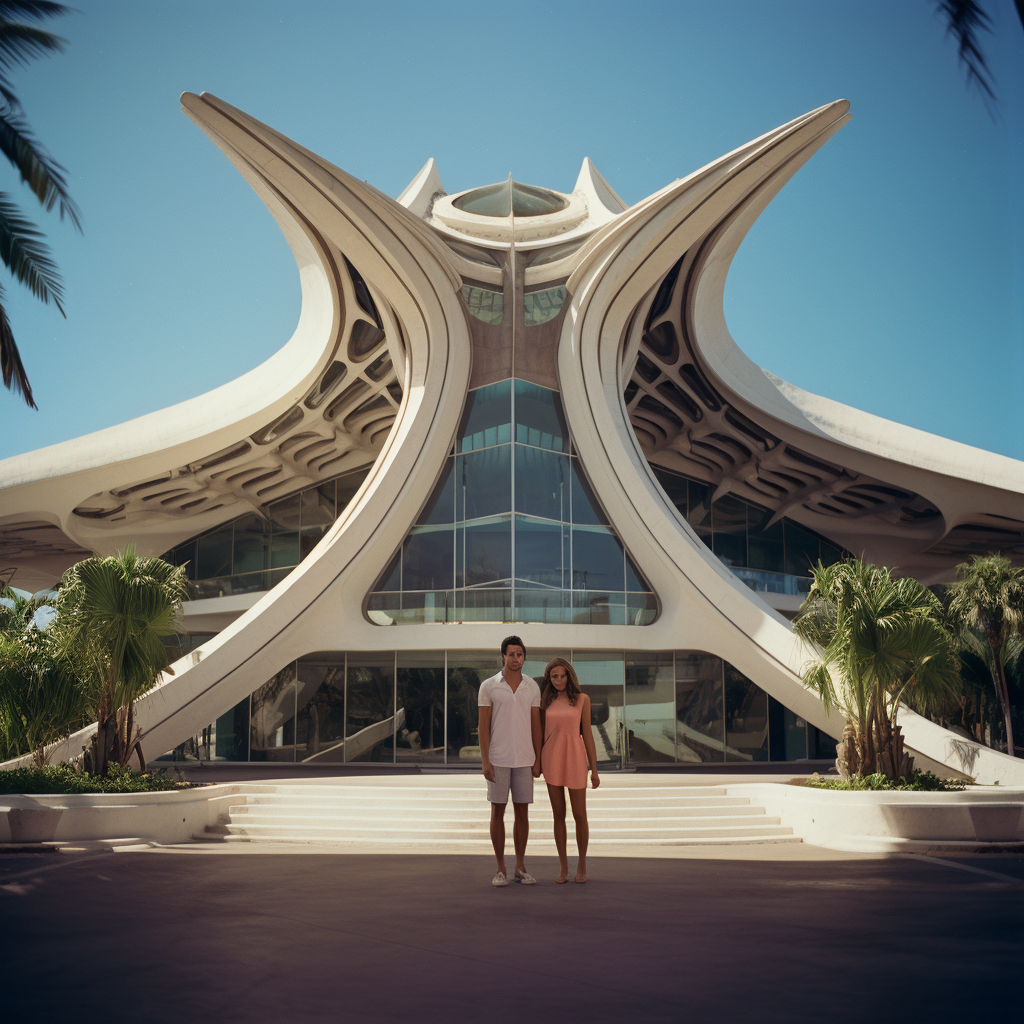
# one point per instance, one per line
(578, 800)
(557, 797)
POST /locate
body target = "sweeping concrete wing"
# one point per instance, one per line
(509, 405)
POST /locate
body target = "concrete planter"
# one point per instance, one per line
(832, 817)
(163, 817)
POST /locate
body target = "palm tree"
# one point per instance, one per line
(987, 603)
(880, 640)
(22, 248)
(117, 610)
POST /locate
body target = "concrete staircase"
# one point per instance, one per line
(443, 813)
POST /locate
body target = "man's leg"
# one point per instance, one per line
(498, 835)
(520, 833)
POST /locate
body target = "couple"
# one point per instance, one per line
(522, 734)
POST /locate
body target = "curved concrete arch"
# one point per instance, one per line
(367, 259)
(615, 281)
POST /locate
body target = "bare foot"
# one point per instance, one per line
(563, 876)
(581, 874)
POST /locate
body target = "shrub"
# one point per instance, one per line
(64, 778)
(920, 782)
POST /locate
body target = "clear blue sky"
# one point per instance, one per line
(888, 274)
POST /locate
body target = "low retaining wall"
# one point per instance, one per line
(826, 817)
(174, 816)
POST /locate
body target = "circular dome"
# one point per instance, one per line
(526, 201)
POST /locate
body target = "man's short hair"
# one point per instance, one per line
(511, 641)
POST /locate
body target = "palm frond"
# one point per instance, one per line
(964, 20)
(11, 367)
(27, 256)
(43, 175)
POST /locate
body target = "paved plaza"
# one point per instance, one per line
(305, 934)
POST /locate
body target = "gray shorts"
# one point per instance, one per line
(519, 780)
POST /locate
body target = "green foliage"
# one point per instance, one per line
(878, 640)
(22, 249)
(117, 610)
(920, 782)
(64, 778)
(986, 608)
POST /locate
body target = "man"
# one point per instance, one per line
(510, 740)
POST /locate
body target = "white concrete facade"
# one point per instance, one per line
(644, 287)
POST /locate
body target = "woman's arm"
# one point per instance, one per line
(588, 741)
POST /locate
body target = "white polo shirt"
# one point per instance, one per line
(511, 735)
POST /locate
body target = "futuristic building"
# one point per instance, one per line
(506, 410)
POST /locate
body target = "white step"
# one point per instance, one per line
(443, 813)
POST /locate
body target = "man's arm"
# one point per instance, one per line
(538, 739)
(484, 728)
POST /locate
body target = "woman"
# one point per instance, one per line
(568, 747)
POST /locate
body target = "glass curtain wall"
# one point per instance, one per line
(420, 707)
(255, 552)
(772, 559)
(512, 531)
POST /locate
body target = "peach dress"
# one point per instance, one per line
(563, 757)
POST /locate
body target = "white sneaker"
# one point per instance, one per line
(524, 877)
(499, 879)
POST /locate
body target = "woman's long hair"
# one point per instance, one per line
(572, 684)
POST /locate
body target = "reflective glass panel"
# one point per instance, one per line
(420, 715)
(541, 554)
(440, 506)
(215, 554)
(370, 707)
(700, 724)
(594, 608)
(597, 559)
(641, 609)
(320, 699)
(729, 522)
(185, 554)
(427, 558)
(487, 418)
(466, 671)
(601, 676)
(746, 718)
(540, 420)
(484, 605)
(801, 549)
(251, 544)
(232, 734)
(272, 725)
(286, 514)
(585, 507)
(650, 706)
(542, 483)
(542, 306)
(484, 303)
(284, 549)
(634, 581)
(796, 735)
(483, 482)
(484, 552)
(765, 548)
(391, 578)
(539, 604)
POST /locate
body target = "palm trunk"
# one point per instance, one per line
(1003, 693)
